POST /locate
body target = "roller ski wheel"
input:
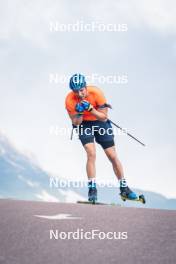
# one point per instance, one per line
(140, 198)
(93, 201)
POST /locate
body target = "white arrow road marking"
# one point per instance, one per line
(58, 216)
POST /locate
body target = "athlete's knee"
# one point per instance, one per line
(112, 156)
(91, 153)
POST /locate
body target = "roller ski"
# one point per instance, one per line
(127, 194)
(90, 202)
(92, 194)
(92, 197)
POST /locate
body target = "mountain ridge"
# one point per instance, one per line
(22, 178)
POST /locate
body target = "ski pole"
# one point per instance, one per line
(71, 136)
(127, 133)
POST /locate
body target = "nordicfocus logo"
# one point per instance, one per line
(57, 183)
(80, 234)
(81, 26)
(79, 130)
(56, 78)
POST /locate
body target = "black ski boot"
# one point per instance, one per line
(126, 192)
(92, 193)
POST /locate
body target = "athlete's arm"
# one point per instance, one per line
(76, 119)
(100, 114)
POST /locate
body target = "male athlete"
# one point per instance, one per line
(88, 110)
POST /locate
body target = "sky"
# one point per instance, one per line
(31, 105)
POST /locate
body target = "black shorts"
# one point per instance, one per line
(101, 131)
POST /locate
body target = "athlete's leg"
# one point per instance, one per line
(91, 157)
(117, 166)
(87, 140)
(91, 171)
(125, 191)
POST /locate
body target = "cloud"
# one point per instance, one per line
(46, 197)
(157, 15)
(28, 182)
(71, 196)
(30, 20)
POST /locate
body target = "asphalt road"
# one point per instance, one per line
(38, 232)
